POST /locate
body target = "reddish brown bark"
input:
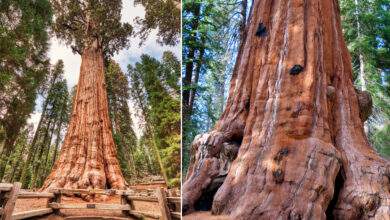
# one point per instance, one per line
(302, 151)
(88, 156)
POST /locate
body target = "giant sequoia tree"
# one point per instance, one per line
(88, 157)
(290, 143)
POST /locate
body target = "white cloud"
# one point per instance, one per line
(58, 50)
(129, 11)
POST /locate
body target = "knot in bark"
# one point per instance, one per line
(278, 175)
(365, 104)
(330, 92)
(282, 153)
(296, 69)
(261, 30)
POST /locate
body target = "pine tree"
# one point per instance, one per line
(124, 135)
(160, 106)
(13, 168)
(366, 27)
(23, 47)
(55, 110)
(212, 30)
(163, 15)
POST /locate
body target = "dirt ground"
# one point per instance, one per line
(200, 215)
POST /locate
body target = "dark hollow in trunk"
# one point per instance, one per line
(205, 201)
(339, 183)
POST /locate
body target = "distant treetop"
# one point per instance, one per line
(163, 15)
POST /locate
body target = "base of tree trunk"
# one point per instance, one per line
(303, 179)
(296, 121)
(88, 158)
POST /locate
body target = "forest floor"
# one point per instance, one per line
(36, 203)
(205, 215)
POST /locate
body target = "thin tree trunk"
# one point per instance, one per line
(244, 7)
(194, 83)
(290, 143)
(38, 160)
(58, 139)
(362, 75)
(361, 57)
(88, 157)
(5, 156)
(189, 66)
(43, 171)
(32, 149)
(16, 169)
(157, 152)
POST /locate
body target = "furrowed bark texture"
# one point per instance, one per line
(302, 151)
(88, 156)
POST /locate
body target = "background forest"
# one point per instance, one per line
(148, 91)
(213, 30)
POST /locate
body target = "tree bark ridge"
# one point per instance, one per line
(88, 155)
(294, 131)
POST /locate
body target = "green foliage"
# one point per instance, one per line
(163, 15)
(211, 35)
(80, 23)
(13, 168)
(155, 90)
(42, 150)
(124, 135)
(23, 66)
(382, 138)
(366, 26)
(145, 157)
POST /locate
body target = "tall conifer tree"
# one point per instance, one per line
(88, 157)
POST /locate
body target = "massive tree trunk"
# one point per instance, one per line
(88, 155)
(290, 143)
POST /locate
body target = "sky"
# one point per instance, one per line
(58, 50)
